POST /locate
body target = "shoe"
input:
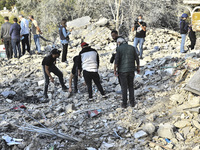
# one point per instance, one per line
(44, 100)
(64, 88)
(184, 52)
(123, 105)
(90, 99)
(141, 57)
(75, 90)
(132, 104)
(104, 96)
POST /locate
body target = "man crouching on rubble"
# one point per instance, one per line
(125, 67)
(48, 65)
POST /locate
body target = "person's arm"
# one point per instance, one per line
(11, 30)
(37, 27)
(65, 33)
(97, 60)
(22, 25)
(2, 33)
(70, 82)
(143, 27)
(48, 73)
(137, 61)
(133, 28)
(182, 25)
(116, 63)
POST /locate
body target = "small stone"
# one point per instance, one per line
(166, 131)
(196, 124)
(149, 128)
(140, 134)
(182, 123)
(69, 108)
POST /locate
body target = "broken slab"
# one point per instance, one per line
(193, 84)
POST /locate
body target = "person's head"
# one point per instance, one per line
(120, 41)
(15, 20)
(55, 53)
(6, 19)
(63, 23)
(184, 16)
(21, 17)
(114, 34)
(140, 18)
(31, 17)
(84, 44)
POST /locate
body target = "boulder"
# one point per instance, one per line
(80, 22)
(102, 22)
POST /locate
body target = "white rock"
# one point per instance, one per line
(140, 134)
(80, 22)
(166, 131)
(102, 22)
(149, 128)
(69, 108)
(182, 123)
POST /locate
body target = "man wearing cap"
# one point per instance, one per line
(48, 65)
(125, 68)
(183, 31)
(89, 63)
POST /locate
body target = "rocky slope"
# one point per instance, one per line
(166, 115)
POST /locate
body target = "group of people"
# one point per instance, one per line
(12, 34)
(126, 58)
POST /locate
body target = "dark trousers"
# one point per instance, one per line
(8, 47)
(64, 53)
(127, 81)
(57, 72)
(192, 37)
(75, 83)
(16, 46)
(89, 76)
(25, 42)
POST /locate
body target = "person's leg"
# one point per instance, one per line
(96, 79)
(135, 43)
(75, 83)
(14, 47)
(18, 47)
(131, 88)
(27, 43)
(58, 73)
(123, 79)
(183, 36)
(141, 40)
(64, 53)
(10, 48)
(38, 44)
(35, 40)
(46, 77)
(23, 46)
(88, 82)
(7, 48)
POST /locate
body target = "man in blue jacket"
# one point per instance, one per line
(183, 31)
(15, 38)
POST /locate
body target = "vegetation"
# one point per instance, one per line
(7, 3)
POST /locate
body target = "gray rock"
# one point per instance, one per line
(149, 128)
(69, 108)
(140, 134)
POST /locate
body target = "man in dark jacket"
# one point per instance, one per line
(183, 31)
(48, 65)
(192, 36)
(125, 67)
(15, 38)
(5, 37)
(89, 63)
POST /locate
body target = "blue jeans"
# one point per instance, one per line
(141, 42)
(183, 36)
(37, 42)
(15, 46)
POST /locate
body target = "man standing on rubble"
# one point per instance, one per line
(183, 31)
(89, 63)
(24, 24)
(48, 65)
(36, 33)
(5, 37)
(140, 28)
(124, 67)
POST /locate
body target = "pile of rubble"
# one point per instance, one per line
(166, 115)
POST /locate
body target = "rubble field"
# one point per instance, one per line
(166, 116)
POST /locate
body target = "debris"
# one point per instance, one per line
(94, 113)
(166, 131)
(140, 134)
(8, 94)
(11, 141)
(149, 128)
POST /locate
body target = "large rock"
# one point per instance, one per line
(80, 22)
(102, 22)
(149, 128)
(166, 131)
